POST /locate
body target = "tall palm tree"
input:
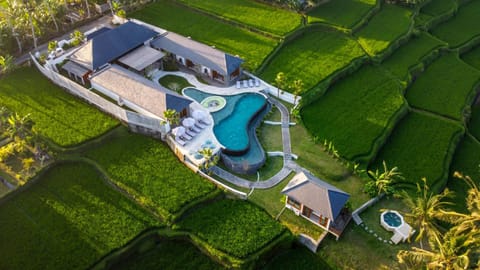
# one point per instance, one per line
(51, 8)
(426, 212)
(11, 15)
(280, 82)
(297, 88)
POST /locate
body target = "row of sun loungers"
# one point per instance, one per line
(248, 83)
(191, 132)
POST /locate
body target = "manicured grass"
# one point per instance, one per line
(250, 46)
(297, 258)
(467, 161)
(410, 54)
(270, 137)
(355, 112)
(384, 28)
(474, 125)
(472, 57)
(236, 227)
(174, 83)
(58, 116)
(420, 147)
(344, 13)
(67, 220)
(438, 7)
(149, 170)
(462, 27)
(255, 14)
(313, 56)
(170, 255)
(444, 87)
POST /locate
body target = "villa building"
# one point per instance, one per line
(318, 202)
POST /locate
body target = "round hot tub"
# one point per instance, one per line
(391, 220)
(214, 103)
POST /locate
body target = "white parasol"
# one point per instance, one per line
(199, 115)
(178, 131)
(188, 122)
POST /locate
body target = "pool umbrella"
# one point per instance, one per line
(178, 131)
(199, 115)
(188, 122)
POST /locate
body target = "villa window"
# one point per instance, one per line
(294, 203)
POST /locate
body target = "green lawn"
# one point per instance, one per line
(236, 227)
(169, 255)
(252, 13)
(149, 170)
(472, 57)
(474, 125)
(384, 28)
(344, 13)
(58, 116)
(438, 7)
(174, 83)
(312, 57)
(355, 112)
(445, 87)
(410, 54)
(467, 161)
(299, 258)
(250, 46)
(420, 147)
(462, 27)
(67, 220)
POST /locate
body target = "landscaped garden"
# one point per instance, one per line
(313, 56)
(67, 219)
(251, 13)
(422, 145)
(345, 13)
(58, 116)
(384, 28)
(143, 167)
(250, 46)
(460, 28)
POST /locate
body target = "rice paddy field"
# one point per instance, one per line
(421, 145)
(445, 87)
(472, 57)
(58, 116)
(355, 112)
(252, 13)
(438, 7)
(411, 54)
(385, 27)
(474, 125)
(462, 27)
(313, 56)
(250, 46)
(143, 166)
(345, 13)
(67, 220)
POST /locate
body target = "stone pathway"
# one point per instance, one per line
(374, 234)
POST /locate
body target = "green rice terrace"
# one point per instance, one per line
(382, 84)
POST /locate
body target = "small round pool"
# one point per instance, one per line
(391, 219)
(213, 103)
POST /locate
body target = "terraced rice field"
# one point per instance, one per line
(472, 57)
(462, 27)
(385, 27)
(313, 56)
(58, 116)
(446, 87)
(438, 7)
(474, 125)
(250, 46)
(411, 54)
(355, 112)
(345, 13)
(67, 220)
(421, 145)
(254, 14)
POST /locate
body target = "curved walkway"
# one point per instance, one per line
(288, 164)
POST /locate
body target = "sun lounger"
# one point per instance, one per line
(257, 83)
(190, 133)
(245, 84)
(195, 129)
(186, 137)
(180, 141)
(250, 83)
(239, 85)
(200, 125)
(205, 122)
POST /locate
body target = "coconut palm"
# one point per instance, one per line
(280, 82)
(51, 8)
(426, 212)
(210, 160)
(171, 116)
(382, 182)
(297, 89)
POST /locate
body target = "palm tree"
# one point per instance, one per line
(171, 116)
(77, 37)
(210, 160)
(18, 125)
(297, 88)
(11, 15)
(382, 182)
(51, 7)
(280, 82)
(426, 212)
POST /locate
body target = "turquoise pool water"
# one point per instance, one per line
(232, 122)
(392, 219)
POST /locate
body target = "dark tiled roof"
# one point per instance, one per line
(97, 32)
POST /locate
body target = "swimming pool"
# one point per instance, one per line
(234, 128)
